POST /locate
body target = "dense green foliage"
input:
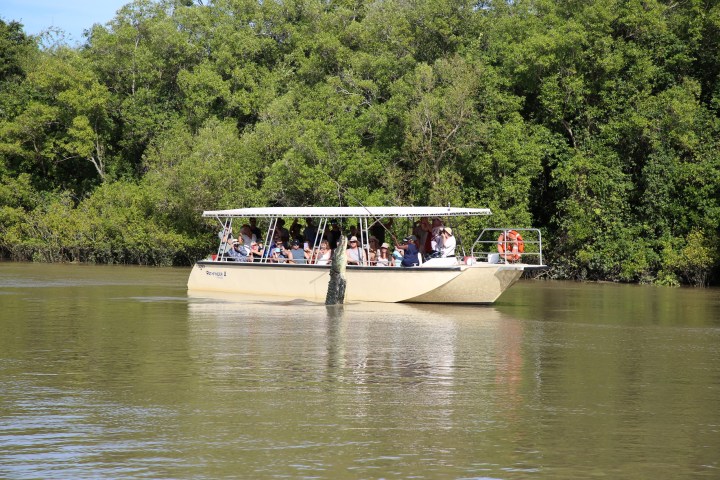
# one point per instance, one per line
(598, 121)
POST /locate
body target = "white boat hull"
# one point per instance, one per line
(478, 283)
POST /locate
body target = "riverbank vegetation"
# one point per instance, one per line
(598, 122)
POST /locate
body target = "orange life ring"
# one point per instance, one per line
(510, 245)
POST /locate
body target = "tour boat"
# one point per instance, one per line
(494, 262)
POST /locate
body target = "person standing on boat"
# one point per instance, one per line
(410, 255)
(334, 234)
(434, 238)
(446, 246)
(353, 231)
(226, 239)
(284, 232)
(422, 232)
(295, 230)
(378, 229)
(247, 236)
(355, 254)
(310, 232)
(254, 228)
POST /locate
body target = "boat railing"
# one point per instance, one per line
(509, 245)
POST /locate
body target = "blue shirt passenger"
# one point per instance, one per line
(410, 255)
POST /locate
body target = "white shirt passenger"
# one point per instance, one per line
(447, 246)
(248, 240)
(323, 259)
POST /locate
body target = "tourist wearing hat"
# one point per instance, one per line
(373, 250)
(409, 247)
(384, 258)
(435, 238)
(355, 254)
(238, 252)
(446, 245)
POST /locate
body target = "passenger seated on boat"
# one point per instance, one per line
(297, 254)
(256, 252)
(276, 246)
(280, 254)
(374, 250)
(325, 254)
(270, 248)
(238, 252)
(397, 256)
(354, 254)
(446, 247)
(411, 257)
(384, 259)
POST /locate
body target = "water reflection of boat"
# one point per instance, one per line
(356, 345)
(210, 301)
(479, 277)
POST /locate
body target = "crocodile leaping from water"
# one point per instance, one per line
(336, 286)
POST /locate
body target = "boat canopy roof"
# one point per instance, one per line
(348, 212)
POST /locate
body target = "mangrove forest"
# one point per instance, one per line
(596, 121)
